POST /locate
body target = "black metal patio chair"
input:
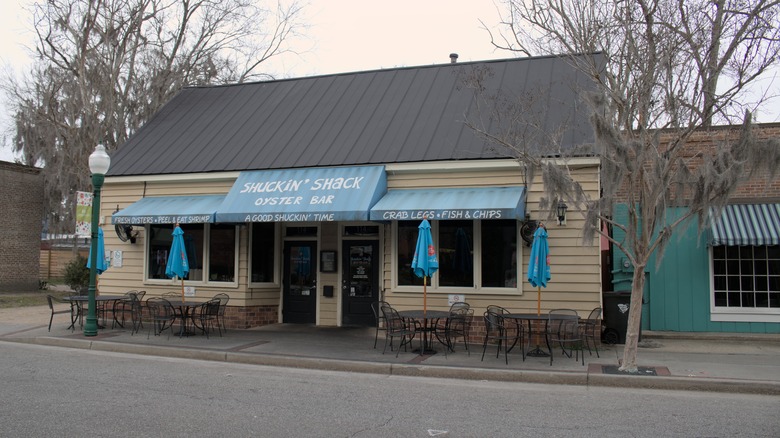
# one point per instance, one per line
(496, 330)
(124, 308)
(60, 306)
(161, 316)
(397, 327)
(379, 318)
(223, 300)
(563, 328)
(591, 330)
(206, 317)
(458, 325)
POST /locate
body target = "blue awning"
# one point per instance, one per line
(449, 204)
(747, 224)
(170, 210)
(304, 195)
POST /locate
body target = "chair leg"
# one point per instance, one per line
(549, 350)
(595, 346)
(51, 318)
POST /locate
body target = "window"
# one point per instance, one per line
(263, 250)
(222, 253)
(472, 254)
(746, 277)
(213, 246)
(499, 253)
(407, 241)
(456, 258)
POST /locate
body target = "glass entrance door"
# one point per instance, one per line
(360, 281)
(299, 302)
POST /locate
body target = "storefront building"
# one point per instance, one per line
(727, 278)
(301, 198)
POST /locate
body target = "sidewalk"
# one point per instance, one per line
(707, 362)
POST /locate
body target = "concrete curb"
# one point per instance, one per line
(585, 378)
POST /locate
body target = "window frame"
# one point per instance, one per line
(206, 259)
(736, 314)
(276, 281)
(478, 289)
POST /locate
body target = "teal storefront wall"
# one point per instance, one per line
(677, 295)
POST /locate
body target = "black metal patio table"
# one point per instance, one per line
(185, 307)
(100, 301)
(519, 318)
(429, 319)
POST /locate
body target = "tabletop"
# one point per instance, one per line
(429, 314)
(180, 303)
(97, 297)
(534, 316)
(525, 316)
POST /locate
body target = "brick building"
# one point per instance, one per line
(726, 279)
(21, 188)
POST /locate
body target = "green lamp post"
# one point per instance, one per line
(98, 165)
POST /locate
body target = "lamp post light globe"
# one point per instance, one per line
(99, 161)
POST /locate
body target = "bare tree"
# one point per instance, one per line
(671, 69)
(104, 67)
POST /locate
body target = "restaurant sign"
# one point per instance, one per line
(466, 203)
(304, 195)
(156, 210)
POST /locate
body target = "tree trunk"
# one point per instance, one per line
(634, 321)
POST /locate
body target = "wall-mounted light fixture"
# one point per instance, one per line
(562, 207)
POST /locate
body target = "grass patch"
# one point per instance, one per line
(26, 299)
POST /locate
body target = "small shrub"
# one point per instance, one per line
(77, 274)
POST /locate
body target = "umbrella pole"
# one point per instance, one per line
(182, 289)
(538, 300)
(425, 295)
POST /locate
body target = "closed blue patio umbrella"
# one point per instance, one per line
(100, 261)
(177, 265)
(424, 262)
(539, 264)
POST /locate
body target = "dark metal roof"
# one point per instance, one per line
(398, 115)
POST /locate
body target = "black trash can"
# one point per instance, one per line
(616, 305)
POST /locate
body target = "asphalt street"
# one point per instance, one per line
(55, 391)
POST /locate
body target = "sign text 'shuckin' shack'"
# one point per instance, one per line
(300, 192)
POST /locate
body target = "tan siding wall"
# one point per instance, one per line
(446, 179)
(328, 307)
(576, 272)
(130, 275)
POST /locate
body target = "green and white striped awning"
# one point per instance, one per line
(747, 224)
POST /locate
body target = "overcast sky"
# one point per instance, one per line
(344, 36)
